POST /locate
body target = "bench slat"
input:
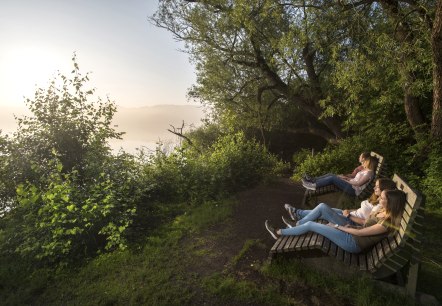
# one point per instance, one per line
(294, 242)
(386, 246)
(313, 241)
(333, 249)
(287, 244)
(370, 264)
(347, 258)
(325, 245)
(299, 242)
(275, 246)
(362, 262)
(375, 257)
(320, 241)
(354, 262)
(281, 245)
(306, 243)
(340, 254)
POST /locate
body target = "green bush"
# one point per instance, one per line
(342, 158)
(237, 163)
(431, 182)
(61, 222)
(231, 164)
(399, 155)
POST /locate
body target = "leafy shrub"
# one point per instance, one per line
(64, 195)
(343, 157)
(232, 163)
(340, 158)
(62, 221)
(237, 163)
(431, 182)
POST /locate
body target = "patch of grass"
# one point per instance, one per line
(205, 215)
(357, 290)
(246, 247)
(153, 274)
(430, 274)
(228, 288)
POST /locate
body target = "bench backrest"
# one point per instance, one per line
(379, 172)
(393, 253)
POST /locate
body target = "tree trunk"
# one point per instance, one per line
(308, 104)
(404, 35)
(436, 44)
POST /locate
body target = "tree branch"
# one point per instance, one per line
(179, 132)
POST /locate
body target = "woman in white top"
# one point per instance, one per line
(351, 186)
(339, 216)
(354, 240)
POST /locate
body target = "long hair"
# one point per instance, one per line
(371, 163)
(395, 207)
(384, 184)
(365, 154)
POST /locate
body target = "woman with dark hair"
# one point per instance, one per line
(380, 224)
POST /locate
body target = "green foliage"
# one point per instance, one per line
(431, 182)
(228, 288)
(334, 159)
(230, 164)
(237, 163)
(394, 146)
(62, 222)
(154, 274)
(264, 65)
(65, 196)
(358, 290)
(68, 118)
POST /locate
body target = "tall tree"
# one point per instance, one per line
(416, 27)
(436, 43)
(288, 53)
(254, 53)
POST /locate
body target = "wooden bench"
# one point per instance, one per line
(393, 255)
(310, 195)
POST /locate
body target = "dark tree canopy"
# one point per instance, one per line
(334, 66)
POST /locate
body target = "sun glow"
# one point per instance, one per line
(25, 68)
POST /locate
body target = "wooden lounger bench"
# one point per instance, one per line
(393, 255)
(310, 195)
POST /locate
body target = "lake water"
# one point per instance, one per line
(144, 127)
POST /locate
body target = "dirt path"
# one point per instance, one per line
(225, 241)
(261, 203)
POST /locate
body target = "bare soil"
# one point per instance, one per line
(226, 241)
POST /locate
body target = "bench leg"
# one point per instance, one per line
(412, 279)
(305, 199)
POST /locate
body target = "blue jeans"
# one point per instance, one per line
(342, 239)
(332, 179)
(323, 211)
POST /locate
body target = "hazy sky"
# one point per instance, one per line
(131, 60)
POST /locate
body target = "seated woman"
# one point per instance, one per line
(352, 186)
(362, 158)
(339, 216)
(354, 240)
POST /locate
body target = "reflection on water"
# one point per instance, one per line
(144, 127)
(132, 146)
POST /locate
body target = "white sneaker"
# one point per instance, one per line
(289, 224)
(310, 186)
(291, 210)
(271, 230)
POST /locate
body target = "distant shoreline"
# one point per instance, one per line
(143, 126)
